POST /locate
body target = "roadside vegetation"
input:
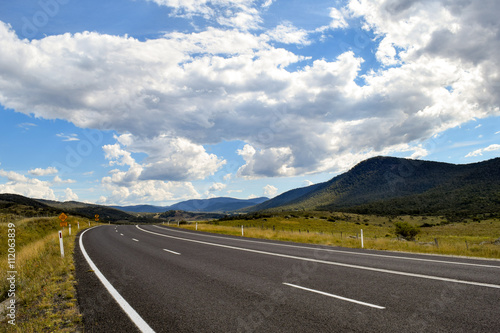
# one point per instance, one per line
(475, 237)
(45, 282)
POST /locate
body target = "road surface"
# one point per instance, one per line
(160, 279)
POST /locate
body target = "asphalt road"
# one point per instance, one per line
(171, 280)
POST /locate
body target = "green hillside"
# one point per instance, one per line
(20, 205)
(389, 185)
(89, 210)
(473, 190)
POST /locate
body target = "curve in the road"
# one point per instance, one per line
(131, 313)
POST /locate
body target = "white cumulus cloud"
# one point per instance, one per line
(128, 185)
(480, 152)
(270, 190)
(58, 180)
(289, 34)
(215, 187)
(69, 195)
(242, 14)
(43, 172)
(29, 187)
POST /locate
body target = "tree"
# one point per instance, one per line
(406, 230)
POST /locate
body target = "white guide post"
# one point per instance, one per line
(61, 244)
(362, 245)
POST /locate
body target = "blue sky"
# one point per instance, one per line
(158, 101)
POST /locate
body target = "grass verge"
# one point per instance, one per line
(474, 238)
(45, 284)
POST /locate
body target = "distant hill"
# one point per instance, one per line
(221, 204)
(18, 204)
(285, 198)
(213, 205)
(89, 210)
(390, 185)
(142, 208)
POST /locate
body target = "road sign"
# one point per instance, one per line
(96, 217)
(63, 218)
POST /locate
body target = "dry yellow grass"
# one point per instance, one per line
(45, 283)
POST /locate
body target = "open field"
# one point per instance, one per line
(45, 285)
(437, 235)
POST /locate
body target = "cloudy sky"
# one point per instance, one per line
(158, 101)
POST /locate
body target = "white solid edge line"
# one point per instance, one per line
(349, 252)
(336, 296)
(172, 252)
(131, 313)
(381, 270)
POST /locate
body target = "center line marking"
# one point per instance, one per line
(172, 252)
(135, 240)
(336, 296)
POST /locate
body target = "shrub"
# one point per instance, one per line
(406, 230)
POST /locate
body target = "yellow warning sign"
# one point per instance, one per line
(63, 218)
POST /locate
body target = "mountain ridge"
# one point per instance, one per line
(386, 181)
(33, 207)
(379, 185)
(218, 204)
